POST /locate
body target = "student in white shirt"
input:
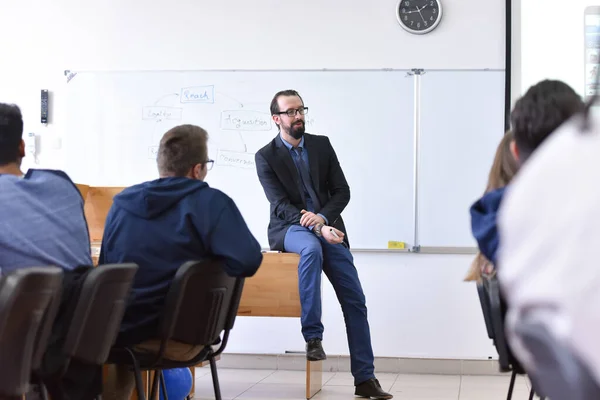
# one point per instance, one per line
(549, 255)
(542, 109)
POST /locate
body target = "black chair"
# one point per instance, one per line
(485, 309)
(24, 298)
(201, 303)
(559, 373)
(99, 312)
(100, 299)
(42, 338)
(494, 309)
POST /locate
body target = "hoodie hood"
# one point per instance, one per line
(484, 216)
(150, 199)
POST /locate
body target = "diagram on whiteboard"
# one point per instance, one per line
(241, 121)
(236, 120)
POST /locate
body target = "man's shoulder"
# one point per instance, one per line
(269, 148)
(214, 198)
(215, 194)
(316, 138)
(45, 174)
(51, 178)
(319, 141)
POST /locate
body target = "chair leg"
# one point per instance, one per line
(163, 385)
(531, 393)
(43, 391)
(512, 385)
(215, 378)
(139, 385)
(138, 376)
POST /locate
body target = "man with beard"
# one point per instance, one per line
(304, 183)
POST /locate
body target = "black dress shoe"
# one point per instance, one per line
(314, 350)
(371, 389)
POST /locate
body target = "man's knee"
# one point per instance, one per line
(312, 251)
(352, 295)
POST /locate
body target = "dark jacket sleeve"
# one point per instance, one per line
(337, 186)
(484, 224)
(275, 191)
(106, 240)
(231, 239)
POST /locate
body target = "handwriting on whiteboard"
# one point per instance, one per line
(159, 113)
(235, 159)
(198, 94)
(245, 120)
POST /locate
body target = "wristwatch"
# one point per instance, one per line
(317, 229)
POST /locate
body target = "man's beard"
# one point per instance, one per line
(297, 130)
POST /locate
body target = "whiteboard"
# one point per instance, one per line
(461, 125)
(114, 122)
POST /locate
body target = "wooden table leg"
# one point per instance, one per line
(314, 378)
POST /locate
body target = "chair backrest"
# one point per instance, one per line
(484, 301)
(45, 330)
(558, 373)
(100, 308)
(506, 359)
(24, 298)
(201, 303)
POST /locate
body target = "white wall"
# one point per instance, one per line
(516, 50)
(418, 305)
(549, 42)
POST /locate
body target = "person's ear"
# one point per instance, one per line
(514, 150)
(277, 119)
(200, 171)
(22, 149)
(197, 171)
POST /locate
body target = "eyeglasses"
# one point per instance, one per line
(209, 164)
(292, 111)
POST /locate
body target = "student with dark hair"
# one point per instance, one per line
(538, 113)
(43, 224)
(550, 232)
(41, 210)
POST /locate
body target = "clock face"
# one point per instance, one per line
(419, 16)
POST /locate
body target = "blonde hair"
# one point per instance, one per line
(503, 170)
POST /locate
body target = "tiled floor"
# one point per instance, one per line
(266, 384)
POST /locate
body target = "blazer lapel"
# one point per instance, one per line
(283, 153)
(313, 161)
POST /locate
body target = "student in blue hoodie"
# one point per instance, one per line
(163, 223)
(543, 108)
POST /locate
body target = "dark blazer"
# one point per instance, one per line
(281, 182)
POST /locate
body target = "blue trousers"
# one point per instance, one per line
(316, 256)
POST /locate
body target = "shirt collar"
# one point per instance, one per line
(289, 145)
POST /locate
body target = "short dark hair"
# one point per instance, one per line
(11, 133)
(274, 103)
(180, 149)
(541, 110)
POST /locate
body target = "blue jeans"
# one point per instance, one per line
(336, 261)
